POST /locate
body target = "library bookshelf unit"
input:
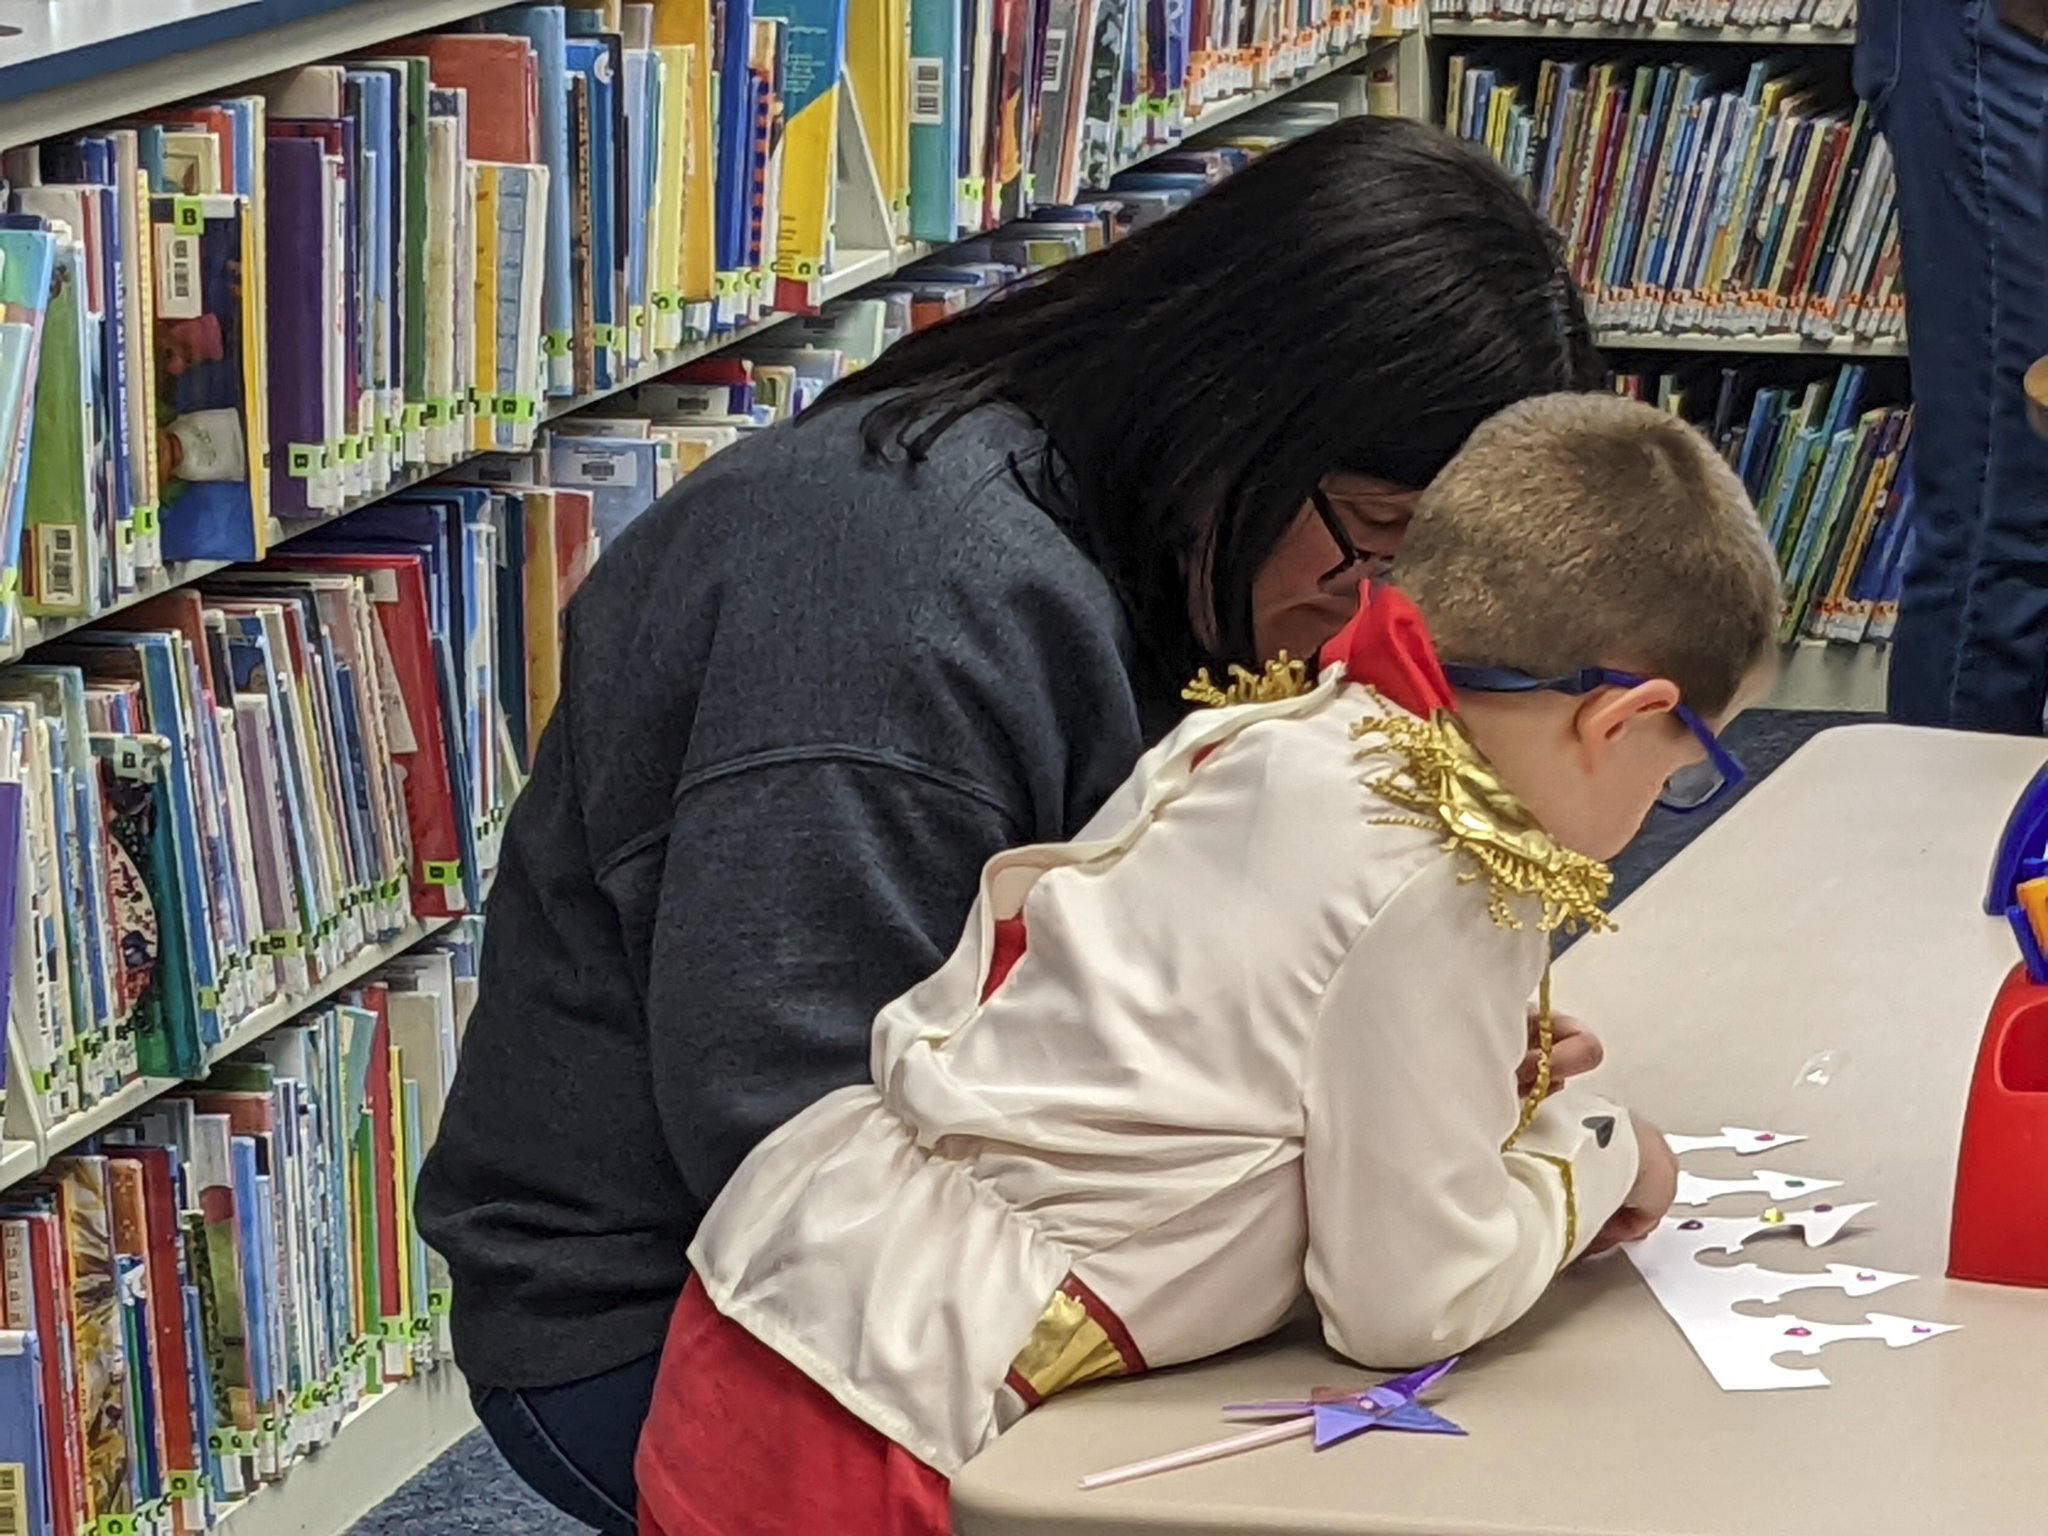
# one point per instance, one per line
(1817, 674)
(69, 67)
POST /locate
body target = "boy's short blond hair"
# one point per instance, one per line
(1591, 530)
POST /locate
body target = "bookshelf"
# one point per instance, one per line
(18, 1159)
(75, 65)
(1753, 345)
(1662, 32)
(30, 1155)
(379, 1448)
(87, 64)
(1823, 676)
(1729, 215)
(42, 114)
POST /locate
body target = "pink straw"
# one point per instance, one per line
(1215, 1450)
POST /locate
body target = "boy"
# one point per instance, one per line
(1255, 1034)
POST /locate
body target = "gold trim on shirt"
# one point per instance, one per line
(1076, 1339)
(1546, 1043)
(1281, 678)
(1563, 1165)
(1450, 787)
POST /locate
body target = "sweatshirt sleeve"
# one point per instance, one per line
(1428, 1232)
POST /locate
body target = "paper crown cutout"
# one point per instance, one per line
(1739, 1350)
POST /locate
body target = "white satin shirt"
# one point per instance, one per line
(1261, 1043)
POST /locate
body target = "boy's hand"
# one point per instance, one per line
(1656, 1186)
(1574, 1051)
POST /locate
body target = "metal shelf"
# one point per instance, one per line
(855, 269)
(125, 1100)
(378, 1449)
(1753, 342)
(1821, 674)
(1644, 32)
(33, 632)
(1237, 106)
(18, 1159)
(284, 1009)
(132, 55)
(23, 1158)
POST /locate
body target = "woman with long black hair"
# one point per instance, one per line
(810, 693)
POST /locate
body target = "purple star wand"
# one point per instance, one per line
(1332, 1416)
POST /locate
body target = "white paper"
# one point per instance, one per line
(1732, 1138)
(1699, 1234)
(1696, 1190)
(1740, 1350)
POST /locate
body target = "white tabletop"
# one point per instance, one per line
(1837, 909)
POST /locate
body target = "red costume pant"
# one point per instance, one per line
(739, 1442)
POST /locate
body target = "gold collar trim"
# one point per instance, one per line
(1449, 787)
(1281, 678)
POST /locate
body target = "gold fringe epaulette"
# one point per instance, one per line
(1452, 789)
(1281, 678)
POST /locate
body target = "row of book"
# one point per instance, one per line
(1831, 476)
(204, 1296)
(1828, 14)
(1829, 471)
(624, 455)
(628, 452)
(217, 799)
(226, 793)
(1700, 196)
(1116, 80)
(221, 319)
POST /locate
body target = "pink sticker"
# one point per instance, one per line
(1798, 1333)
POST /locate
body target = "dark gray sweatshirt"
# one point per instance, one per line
(804, 699)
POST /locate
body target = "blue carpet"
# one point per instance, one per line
(1760, 740)
(471, 1488)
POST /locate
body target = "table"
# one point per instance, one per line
(1838, 908)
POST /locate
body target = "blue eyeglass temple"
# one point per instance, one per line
(1584, 681)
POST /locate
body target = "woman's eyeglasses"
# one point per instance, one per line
(1692, 788)
(1353, 558)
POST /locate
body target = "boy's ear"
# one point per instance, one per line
(1602, 716)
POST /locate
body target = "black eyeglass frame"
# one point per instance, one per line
(1353, 556)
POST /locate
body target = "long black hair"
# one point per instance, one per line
(1357, 301)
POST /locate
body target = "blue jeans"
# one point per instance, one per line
(573, 1445)
(1963, 98)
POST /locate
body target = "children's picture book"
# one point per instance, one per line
(215, 495)
(84, 1206)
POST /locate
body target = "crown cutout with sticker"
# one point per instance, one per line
(1741, 1351)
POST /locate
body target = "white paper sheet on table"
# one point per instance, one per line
(1738, 1349)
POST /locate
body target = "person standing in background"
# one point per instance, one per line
(816, 688)
(1960, 88)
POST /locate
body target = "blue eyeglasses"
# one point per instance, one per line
(1693, 788)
